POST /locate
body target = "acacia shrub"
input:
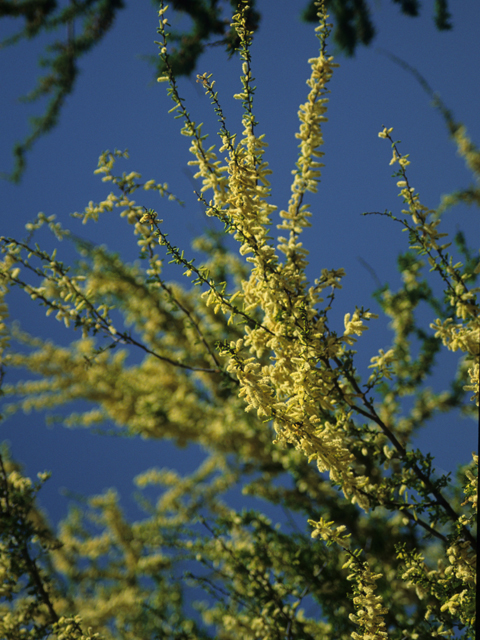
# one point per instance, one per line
(246, 363)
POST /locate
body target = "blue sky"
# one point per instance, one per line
(117, 104)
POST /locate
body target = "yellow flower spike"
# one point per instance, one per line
(395, 157)
(385, 132)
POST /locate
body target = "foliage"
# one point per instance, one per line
(97, 17)
(247, 363)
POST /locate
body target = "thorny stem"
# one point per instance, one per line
(118, 337)
(190, 317)
(372, 415)
(224, 300)
(421, 237)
